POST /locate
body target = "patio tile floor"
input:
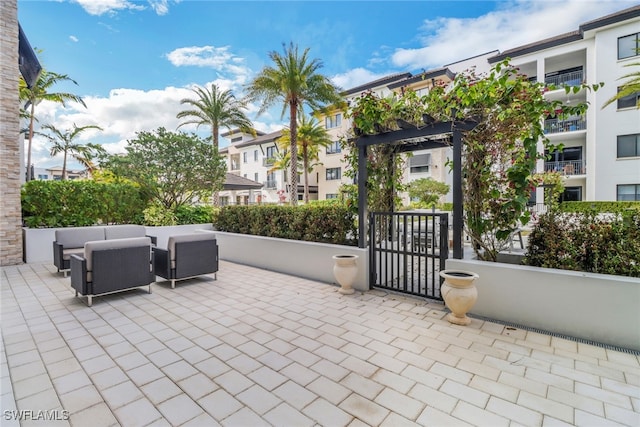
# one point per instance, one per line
(257, 347)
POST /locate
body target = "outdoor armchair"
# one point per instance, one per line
(109, 266)
(186, 256)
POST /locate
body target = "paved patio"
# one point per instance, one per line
(262, 348)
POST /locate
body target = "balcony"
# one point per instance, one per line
(567, 167)
(270, 184)
(571, 78)
(569, 125)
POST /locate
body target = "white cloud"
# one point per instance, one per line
(220, 59)
(100, 7)
(446, 40)
(356, 77)
(73, 38)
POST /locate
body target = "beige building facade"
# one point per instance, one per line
(10, 180)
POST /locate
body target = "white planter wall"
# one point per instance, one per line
(596, 307)
(303, 259)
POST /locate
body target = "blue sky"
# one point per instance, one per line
(135, 60)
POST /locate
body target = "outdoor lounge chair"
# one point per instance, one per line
(110, 266)
(186, 256)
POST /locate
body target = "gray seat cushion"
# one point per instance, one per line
(76, 237)
(124, 231)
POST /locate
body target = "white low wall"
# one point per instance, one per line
(303, 259)
(597, 307)
(38, 242)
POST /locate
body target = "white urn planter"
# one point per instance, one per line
(345, 271)
(459, 293)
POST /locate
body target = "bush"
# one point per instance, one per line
(80, 203)
(601, 207)
(315, 222)
(596, 243)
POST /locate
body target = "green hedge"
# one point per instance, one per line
(604, 243)
(601, 207)
(327, 223)
(80, 203)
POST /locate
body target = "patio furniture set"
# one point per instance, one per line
(104, 260)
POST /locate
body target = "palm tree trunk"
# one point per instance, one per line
(293, 127)
(216, 143)
(64, 166)
(305, 164)
(29, 175)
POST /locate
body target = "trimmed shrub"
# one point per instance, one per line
(596, 243)
(80, 203)
(327, 223)
(600, 207)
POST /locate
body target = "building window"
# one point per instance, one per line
(334, 148)
(255, 177)
(629, 145)
(571, 194)
(628, 192)
(628, 46)
(332, 196)
(333, 121)
(333, 174)
(43, 176)
(629, 100)
(244, 157)
(420, 163)
(234, 140)
(255, 155)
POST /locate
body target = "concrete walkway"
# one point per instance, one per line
(261, 348)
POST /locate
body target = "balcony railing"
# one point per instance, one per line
(268, 161)
(269, 185)
(570, 125)
(567, 167)
(573, 78)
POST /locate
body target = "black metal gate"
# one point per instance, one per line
(407, 250)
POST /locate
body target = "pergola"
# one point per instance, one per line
(412, 138)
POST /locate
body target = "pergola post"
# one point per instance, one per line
(362, 196)
(457, 193)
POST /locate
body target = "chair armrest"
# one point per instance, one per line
(58, 254)
(161, 262)
(79, 274)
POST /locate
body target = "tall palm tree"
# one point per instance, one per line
(218, 109)
(63, 142)
(294, 81)
(40, 92)
(312, 136)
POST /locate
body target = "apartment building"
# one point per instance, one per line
(55, 173)
(254, 158)
(601, 155)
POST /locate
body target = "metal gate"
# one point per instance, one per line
(407, 251)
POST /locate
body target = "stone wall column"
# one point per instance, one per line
(10, 211)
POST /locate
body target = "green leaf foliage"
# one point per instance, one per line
(327, 222)
(172, 169)
(587, 241)
(80, 203)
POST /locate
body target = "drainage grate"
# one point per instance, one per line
(555, 334)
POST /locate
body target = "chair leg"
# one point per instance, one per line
(149, 287)
(173, 283)
(89, 300)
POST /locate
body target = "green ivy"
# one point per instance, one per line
(602, 207)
